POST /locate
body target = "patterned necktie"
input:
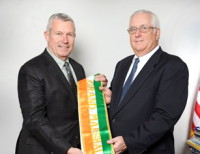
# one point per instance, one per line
(70, 78)
(129, 80)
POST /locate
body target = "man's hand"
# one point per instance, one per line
(74, 151)
(118, 144)
(107, 92)
(102, 78)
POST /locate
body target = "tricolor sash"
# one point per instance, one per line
(93, 118)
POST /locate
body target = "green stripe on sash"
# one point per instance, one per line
(102, 118)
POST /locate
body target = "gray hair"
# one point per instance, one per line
(58, 16)
(154, 18)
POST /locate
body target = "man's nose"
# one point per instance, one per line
(65, 39)
(137, 33)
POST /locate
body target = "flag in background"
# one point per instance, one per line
(196, 115)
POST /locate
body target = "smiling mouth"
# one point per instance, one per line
(138, 41)
(60, 46)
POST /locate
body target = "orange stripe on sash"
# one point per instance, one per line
(84, 118)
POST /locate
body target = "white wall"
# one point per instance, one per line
(101, 41)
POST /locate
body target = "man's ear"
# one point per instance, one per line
(157, 34)
(46, 35)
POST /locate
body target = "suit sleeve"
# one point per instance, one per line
(31, 93)
(170, 100)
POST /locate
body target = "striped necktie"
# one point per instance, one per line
(70, 78)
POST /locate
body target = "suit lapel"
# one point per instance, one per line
(55, 70)
(123, 71)
(139, 80)
(76, 69)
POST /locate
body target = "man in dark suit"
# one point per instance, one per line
(47, 94)
(142, 116)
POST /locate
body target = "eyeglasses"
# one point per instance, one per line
(143, 29)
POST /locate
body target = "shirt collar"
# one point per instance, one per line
(148, 55)
(57, 60)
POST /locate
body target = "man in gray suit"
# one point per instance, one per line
(149, 92)
(47, 94)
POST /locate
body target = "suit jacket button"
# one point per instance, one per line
(114, 120)
(76, 137)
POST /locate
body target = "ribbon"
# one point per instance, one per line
(93, 118)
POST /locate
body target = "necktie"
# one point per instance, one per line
(70, 78)
(129, 80)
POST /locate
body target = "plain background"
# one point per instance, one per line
(101, 41)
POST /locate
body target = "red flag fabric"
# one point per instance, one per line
(196, 115)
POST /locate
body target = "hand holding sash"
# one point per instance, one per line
(118, 144)
(74, 151)
(106, 91)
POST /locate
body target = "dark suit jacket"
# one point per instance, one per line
(49, 107)
(153, 104)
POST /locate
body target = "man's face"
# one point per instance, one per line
(61, 38)
(143, 43)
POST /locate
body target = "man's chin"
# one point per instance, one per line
(65, 51)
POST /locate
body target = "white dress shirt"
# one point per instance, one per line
(142, 61)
